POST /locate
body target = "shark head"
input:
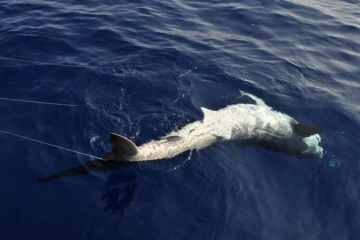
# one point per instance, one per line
(302, 141)
(301, 147)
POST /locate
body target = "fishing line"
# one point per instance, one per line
(29, 101)
(53, 64)
(52, 145)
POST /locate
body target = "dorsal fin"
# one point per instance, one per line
(207, 112)
(305, 130)
(122, 147)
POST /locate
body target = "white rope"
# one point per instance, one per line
(52, 145)
(29, 101)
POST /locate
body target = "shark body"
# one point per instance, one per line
(243, 124)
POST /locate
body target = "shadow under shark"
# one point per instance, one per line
(243, 124)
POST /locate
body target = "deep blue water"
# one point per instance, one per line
(144, 68)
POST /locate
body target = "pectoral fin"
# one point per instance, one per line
(305, 130)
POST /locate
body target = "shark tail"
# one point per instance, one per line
(122, 150)
(98, 165)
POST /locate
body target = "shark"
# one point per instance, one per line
(243, 124)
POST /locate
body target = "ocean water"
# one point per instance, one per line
(143, 69)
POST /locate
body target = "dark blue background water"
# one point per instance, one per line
(144, 68)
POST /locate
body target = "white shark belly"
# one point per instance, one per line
(236, 123)
(243, 122)
(193, 136)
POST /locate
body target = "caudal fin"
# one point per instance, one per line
(122, 150)
(98, 165)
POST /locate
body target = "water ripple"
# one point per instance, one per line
(143, 69)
